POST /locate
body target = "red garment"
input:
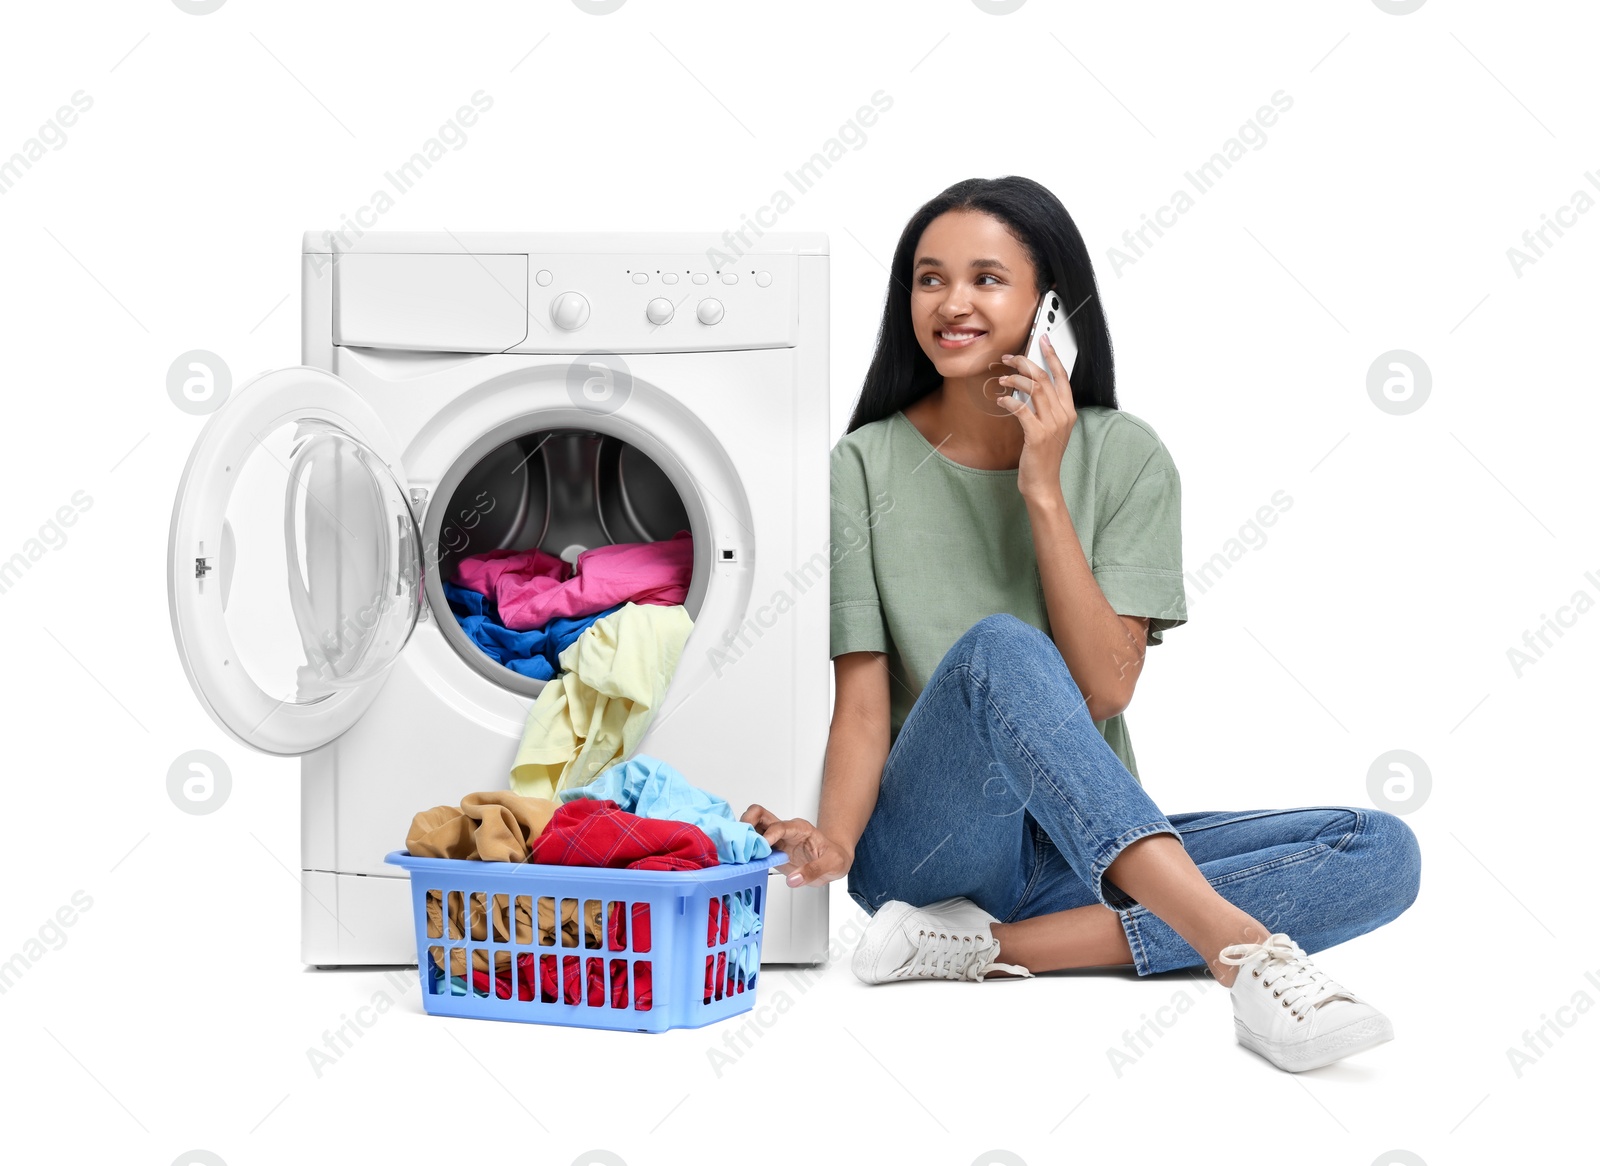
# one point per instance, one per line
(587, 832)
(720, 971)
(617, 940)
(541, 967)
(547, 980)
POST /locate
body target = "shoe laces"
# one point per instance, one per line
(947, 956)
(1288, 972)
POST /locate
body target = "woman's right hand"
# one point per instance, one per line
(813, 857)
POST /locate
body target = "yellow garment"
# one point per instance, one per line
(593, 714)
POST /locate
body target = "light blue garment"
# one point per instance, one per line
(651, 788)
(743, 923)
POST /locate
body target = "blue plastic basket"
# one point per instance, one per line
(672, 949)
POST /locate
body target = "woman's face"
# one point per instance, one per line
(973, 294)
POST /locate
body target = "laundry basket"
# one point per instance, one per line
(644, 950)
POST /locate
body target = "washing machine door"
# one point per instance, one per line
(294, 570)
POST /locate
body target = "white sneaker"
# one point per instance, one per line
(949, 940)
(1289, 1011)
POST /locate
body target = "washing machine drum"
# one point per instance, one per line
(562, 491)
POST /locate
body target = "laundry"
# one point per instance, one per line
(500, 826)
(574, 988)
(525, 572)
(492, 827)
(535, 653)
(571, 989)
(616, 941)
(589, 985)
(489, 827)
(595, 711)
(530, 972)
(738, 922)
(476, 926)
(617, 936)
(651, 788)
(531, 588)
(601, 833)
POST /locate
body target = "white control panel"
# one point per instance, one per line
(659, 303)
(564, 302)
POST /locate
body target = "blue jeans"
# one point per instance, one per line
(1000, 789)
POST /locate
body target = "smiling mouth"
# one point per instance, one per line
(958, 338)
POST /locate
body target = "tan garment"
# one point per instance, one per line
(480, 905)
(496, 826)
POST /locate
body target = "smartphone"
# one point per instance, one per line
(1050, 318)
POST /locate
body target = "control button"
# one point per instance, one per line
(730, 277)
(709, 311)
(763, 278)
(670, 277)
(641, 277)
(658, 311)
(569, 311)
(699, 277)
(542, 278)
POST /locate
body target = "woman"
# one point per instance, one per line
(999, 573)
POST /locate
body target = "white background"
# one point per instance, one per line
(1377, 615)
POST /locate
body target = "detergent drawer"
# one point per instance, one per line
(430, 303)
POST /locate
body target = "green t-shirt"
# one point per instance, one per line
(924, 547)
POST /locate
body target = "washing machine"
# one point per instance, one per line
(465, 393)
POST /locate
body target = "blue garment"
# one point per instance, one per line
(651, 788)
(1001, 790)
(534, 653)
(458, 986)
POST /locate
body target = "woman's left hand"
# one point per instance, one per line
(1045, 435)
(813, 857)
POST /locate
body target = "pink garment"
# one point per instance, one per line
(527, 570)
(531, 588)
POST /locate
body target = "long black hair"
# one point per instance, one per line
(901, 373)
